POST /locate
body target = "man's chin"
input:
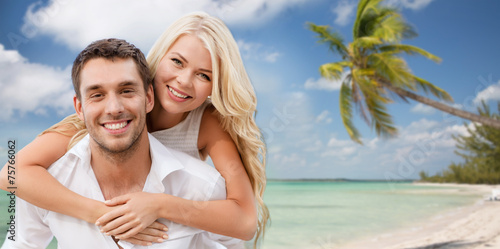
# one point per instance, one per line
(116, 148)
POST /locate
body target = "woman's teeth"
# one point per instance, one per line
(175, 93)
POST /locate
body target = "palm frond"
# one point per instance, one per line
(366, 42)
(435, 90)
(383, 22)
(364, 8)
(410, 50)
(371, 18)
(334, 70)
(345, 103)
(358, 100)
(391, 28)
(364, 79)
(334, 40)
(375, 102)
(392, 69)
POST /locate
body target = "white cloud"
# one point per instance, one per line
(293, 158)
(428, 136)
(317, 146)
(340, 153)
(324, 117)
(255, 51)
(31, 87)
(336, 143)
(271, 57)
(77, 23)
(340, 149)
(344, 11)
(323, 84)
(410, 4)
(423, 109)
(492, 92)
(423, 145)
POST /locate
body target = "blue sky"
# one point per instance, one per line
(297, 110)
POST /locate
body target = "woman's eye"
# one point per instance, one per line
(177, 62)
(204, 76)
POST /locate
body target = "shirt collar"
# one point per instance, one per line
(82, 150)
(163, 162)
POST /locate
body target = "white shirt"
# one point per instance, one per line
(172, 172)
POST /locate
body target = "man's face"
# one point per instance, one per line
(113, 103)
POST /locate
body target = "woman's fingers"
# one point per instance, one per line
(122, 199)
(109, 216)
(123, 225)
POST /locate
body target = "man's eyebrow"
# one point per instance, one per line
(184, 59)
(129, 83)
(92, 87)
(122, 84)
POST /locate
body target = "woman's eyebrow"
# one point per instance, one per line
(184, 59)
(180, 55)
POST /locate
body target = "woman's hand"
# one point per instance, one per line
(156, 233)
(137, 212)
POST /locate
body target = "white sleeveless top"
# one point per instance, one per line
(184, 136)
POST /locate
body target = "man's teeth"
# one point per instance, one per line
(115, 126)
(176, 93)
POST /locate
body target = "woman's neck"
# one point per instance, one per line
(160, 119)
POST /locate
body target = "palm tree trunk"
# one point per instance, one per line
(445, 108)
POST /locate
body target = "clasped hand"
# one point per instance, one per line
(134, 219)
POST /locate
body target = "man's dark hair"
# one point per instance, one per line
(109, 49)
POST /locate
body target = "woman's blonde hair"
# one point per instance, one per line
(233, 97)
(68, 126)
(232, 94)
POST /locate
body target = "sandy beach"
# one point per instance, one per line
(473, 227)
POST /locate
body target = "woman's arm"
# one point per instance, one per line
(235, 217)
(37, 186)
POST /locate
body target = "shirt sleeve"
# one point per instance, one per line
(30, 230)
(219, 191)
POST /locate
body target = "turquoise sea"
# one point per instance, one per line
(314, 214)
(307, 214)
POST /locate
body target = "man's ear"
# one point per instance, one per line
(78, 107)
(150, 98)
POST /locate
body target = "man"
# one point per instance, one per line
(113, 96)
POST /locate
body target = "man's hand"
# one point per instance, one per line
(154, 233)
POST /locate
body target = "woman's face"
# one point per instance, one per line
(183, 80)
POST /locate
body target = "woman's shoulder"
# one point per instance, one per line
(211, 118)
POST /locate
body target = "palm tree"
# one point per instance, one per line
(376, 71)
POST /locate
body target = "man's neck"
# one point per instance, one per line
(122, 173)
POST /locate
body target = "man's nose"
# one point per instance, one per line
(114, 104)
